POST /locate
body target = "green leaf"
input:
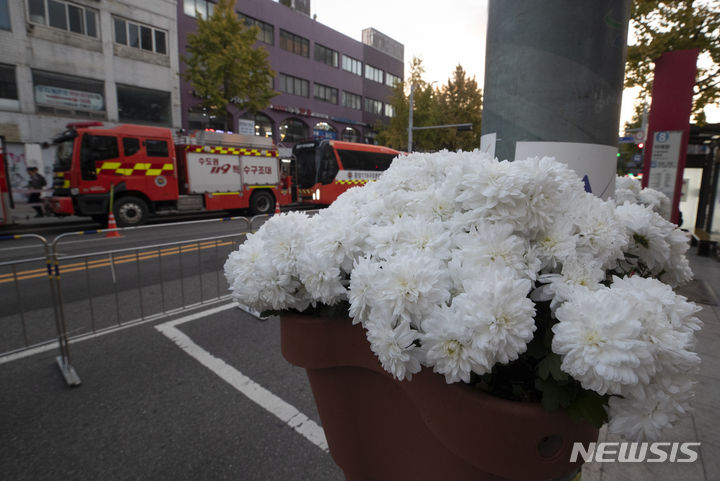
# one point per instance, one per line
(556, 395)
(550, 366)
(589, 406)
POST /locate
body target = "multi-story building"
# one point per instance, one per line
(63, 61)
(118, 61)
(328, 84)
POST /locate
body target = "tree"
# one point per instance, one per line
(662, 26)
(425, 112)
(460, 101)
(225, 67)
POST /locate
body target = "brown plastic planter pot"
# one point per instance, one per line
(380, 429)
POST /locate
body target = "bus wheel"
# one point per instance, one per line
(262, 202)
(130, 211)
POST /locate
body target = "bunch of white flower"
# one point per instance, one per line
(629, 189)
(447, 258)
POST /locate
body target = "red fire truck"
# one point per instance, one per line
(151, 173)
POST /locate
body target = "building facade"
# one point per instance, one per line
(69, 61)
(118, 61)
(328, 84)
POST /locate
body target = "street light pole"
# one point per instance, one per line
(410, 119)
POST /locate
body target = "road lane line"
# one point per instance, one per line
(252, 390)
(103, 262)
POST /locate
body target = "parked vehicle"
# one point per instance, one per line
(327, 168)
(150, 172)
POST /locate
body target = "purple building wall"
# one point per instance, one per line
(305, 109)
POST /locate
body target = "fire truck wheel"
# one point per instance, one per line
(130, 211)
(262, 202)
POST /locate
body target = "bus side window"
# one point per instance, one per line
(328, 165)
(93, 149)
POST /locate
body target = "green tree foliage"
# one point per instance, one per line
(461, 103)
(663, 26)
(458, 102)
(225, 67)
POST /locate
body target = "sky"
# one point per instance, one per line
(443, 37)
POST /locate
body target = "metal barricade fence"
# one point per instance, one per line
(94, 292)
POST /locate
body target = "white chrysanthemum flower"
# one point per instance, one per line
(395, 347)
(646, 233)
(487, 245)
(599, 341)
(321, 277)
(584, 272)
(409, 286)
(645, 418)
(556, 244)
(362, 288)
(448, 345)
(657, 201)
(600, 233)
(503, 317)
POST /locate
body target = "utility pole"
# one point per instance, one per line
(410, 118)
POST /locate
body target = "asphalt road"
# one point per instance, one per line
(147, 410)
(109, 281)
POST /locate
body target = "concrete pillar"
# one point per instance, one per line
(554, 71)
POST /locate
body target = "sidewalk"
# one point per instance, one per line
(24, 220)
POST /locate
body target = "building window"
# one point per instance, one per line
(195, 7)
(389, 110)
(8, 84)
(294, 43)
(326, 55)
(293, 85)
(140, 36)
(391, 80)
(145, 106)
(64, 16)
(350, 135)
(200, 119)
(267, 31)
(373, 106)
(68, 95)
(372, 73)
(4, 15)
(352, 65)
(325, 131)
(263, 126)
(325, 93)
(352, 101)
(292, 130)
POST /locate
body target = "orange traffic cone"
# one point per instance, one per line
(112, 225)
(277, 207)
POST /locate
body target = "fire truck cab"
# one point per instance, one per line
(150, 173)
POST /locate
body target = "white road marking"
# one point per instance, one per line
(253, 391)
